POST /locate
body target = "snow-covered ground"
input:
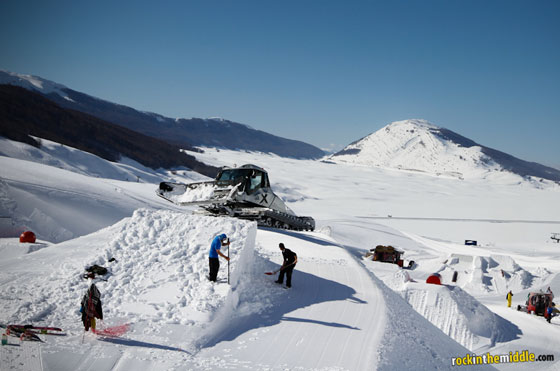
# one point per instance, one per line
(344, 311)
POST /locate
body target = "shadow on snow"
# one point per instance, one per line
(142, 344)
(307, 290)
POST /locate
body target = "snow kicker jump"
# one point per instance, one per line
(242, 192)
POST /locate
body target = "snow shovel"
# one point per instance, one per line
(278, 270)
(272, 273)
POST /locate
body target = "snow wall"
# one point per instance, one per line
(162, 265)
(459, 315)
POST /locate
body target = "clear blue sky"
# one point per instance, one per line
(324, 72)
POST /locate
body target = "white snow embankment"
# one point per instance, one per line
(449, 308)
(162, 265)
(459, 315)
(158, 284)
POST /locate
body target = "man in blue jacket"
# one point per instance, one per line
(213, 259)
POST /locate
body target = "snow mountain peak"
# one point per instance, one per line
(418, 145)
(420, 123)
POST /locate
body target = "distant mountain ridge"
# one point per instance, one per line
(418, 145)
(184, 133)
(25, 113)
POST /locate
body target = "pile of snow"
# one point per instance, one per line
(159, 273)
(158, 280)
(413, 145)
(202, 192)
(162, 264)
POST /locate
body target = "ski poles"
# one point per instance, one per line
(228, 264)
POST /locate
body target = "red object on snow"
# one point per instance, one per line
(114, 331)
(27, 236)
(434, 279)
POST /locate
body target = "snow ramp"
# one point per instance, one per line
(408, 341)
(459, 315)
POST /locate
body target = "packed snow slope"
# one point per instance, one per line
(344, 311)
(50, 190)
(417, 145)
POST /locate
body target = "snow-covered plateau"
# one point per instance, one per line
(344, 310)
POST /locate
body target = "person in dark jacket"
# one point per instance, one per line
(217, 243)
(290, 260)
(91, 307)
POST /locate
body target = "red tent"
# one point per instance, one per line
(434, 279)
(27, 236)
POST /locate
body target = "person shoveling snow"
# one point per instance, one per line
(290, 260)
(217, 243)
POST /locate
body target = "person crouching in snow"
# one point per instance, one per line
(217, 243)
(290, 260)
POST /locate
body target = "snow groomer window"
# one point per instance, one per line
(255, 181)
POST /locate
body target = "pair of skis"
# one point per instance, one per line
(30, 332)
